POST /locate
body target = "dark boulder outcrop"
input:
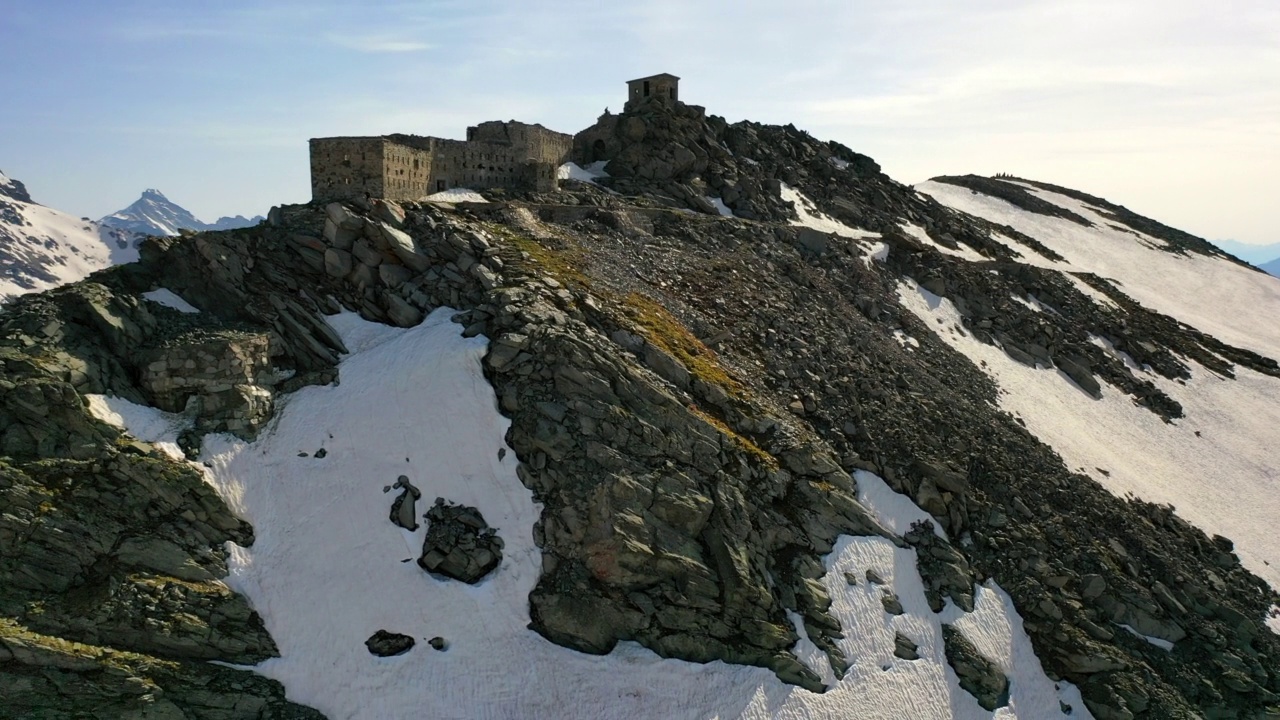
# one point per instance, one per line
(459, 544)
(388, 644)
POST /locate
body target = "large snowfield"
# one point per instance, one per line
(328, 569)
(1219, 466)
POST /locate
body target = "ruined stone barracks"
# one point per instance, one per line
(495, 154)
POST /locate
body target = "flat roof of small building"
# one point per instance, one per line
(654, 77)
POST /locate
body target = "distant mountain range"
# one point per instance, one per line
(41, 248)
(1272, 267)
(1254, 254)
(155, 214)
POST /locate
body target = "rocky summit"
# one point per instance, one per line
(713, 384)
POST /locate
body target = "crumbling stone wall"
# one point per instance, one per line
(227, 376)
(495, 154)
(347, 168)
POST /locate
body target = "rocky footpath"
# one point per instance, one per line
(691, 398)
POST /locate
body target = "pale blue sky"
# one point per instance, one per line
(1171, 107)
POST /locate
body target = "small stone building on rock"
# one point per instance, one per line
(495, 154)
(664, 86)
(605, 139)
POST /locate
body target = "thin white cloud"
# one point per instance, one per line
(377, 43)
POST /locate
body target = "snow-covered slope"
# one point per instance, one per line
(42, 248)
(328, 569)
(1229, 301)
(155, 214)
(1220, 464)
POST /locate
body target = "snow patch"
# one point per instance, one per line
(809, 216)
(456, 195)
(169, 298)
(964, 252)
(147, 424)
(573, 171)
(1165, 645)
(892, 509)
(840, 164)
(720, 206)
(1273, 619)
(877, 251)
(905, 340)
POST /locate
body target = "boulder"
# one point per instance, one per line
(459, 544)
(388, 644)
(978, 675)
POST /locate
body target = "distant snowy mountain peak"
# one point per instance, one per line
(41, 248)
(155, 214)
(13, 189)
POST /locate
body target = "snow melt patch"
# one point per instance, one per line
(1227, 436)
(877, 251)
(328, 569)
(1158, 642)
(964, 252)
(1273, 619)
(147, 424)
(892, 509)
(720, 206)
(809, 216)
(905, 340)
(169, 298)
(573, 171)
(456, 195)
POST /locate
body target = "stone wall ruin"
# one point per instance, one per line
(495, 154)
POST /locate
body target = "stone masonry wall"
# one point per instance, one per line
(406, 172)
(226, 375)
(495, 154)
(347, 167)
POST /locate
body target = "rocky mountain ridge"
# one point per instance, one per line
(693, 401)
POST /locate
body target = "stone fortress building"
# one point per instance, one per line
(408, 167)
(495, 154)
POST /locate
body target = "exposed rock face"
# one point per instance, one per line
(459, 544)
(388, 644)
(113, 559)
(978, 675)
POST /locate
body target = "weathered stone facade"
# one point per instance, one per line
(663, 86)
(409, 167)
